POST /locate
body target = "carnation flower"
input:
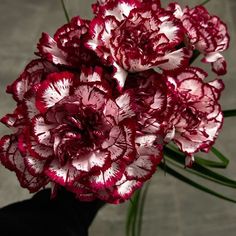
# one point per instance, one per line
(75, 134)
(13, 147)
(196, 114)
(151, 101)
(67, 45)
(95, 111)
(206, 33)
(133, 38)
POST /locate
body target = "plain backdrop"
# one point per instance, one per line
(172, 208)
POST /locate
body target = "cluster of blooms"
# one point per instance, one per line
(95, 110)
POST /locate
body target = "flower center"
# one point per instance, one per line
(80, 134)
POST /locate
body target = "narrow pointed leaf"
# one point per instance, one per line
(229, 113)
(195, 55)
(135, 215)
(199, 169)
(65, 11)
(218, 154)
(186, 180)
(207, 174)
(141, 208)
(132, 215)
(205, 2)
(199, 160)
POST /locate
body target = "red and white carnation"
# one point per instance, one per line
(206, 33)
(74, 133)
(93, 114)
(196, 114)
(132, 38)
(67, 46)
(13, 148)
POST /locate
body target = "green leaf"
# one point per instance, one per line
(186, 180)
(132, 215)
(196, 54)
(129, 218)
(199, 169)
(65, 11)
(207, 174)
(205, 2)
(135, 215)
(141, 207)
(135, 212)
(223, 164)
(229, 113)
(220, 156)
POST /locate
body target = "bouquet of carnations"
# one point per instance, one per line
(108, 97)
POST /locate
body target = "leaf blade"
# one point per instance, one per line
(186, 180)
(229, 113)
(65, 11)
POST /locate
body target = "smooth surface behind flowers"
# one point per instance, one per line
(201, 224)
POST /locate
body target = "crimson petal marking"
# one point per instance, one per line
(136, 65)
(39, 151)
(121, 10)
(108, 177)
(42, 130)
(170, 30)
(130, 132)
(220, 66)
(90, 161)
(110, 23)
(189, 160)
(176, 60)
(186, 145)
(212, 57)
(13, 120)
(53, 89)
(31, 76)
(116, 143)
(48, 48)
(30, 182)
(176, 9)
(88, 75)
(142, 168)
(31, 109)
(126, 110)
(120, 75)
(10, 154)
(159, 100)
(5, 143)
(13, 156)
(217, 87)
(96, 27)
(91, 96)
(191, 86)
(126, 189)
(34, 166)
(12, 159)
(111, 111)
(63, 175)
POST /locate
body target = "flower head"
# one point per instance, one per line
(196, 114)
(206, 33)
(134, 38)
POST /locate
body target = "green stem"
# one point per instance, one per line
(205, 2)
(142, 203)
(229, 113)
(196, 54)
(65, 11)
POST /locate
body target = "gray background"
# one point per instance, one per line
(172, 207)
